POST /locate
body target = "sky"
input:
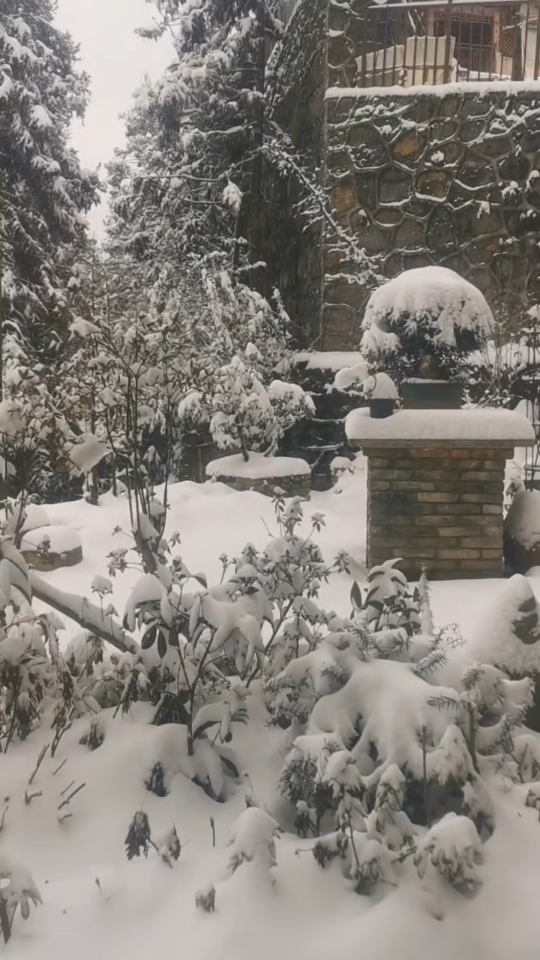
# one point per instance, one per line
(117, 61)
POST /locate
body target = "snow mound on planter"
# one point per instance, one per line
(522, 522)
(453, 425)
(257, 467)
(438, 293)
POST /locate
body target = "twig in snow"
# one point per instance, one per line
(71, 795)
(39, 762)
(28, 797)
(213, 828)
(69, 786)
(3, 817)
(60, 767)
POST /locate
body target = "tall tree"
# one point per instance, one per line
(45, 192)
(195, 136)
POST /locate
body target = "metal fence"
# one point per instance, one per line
(427, 42)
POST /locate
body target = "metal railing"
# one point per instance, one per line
(427, 42)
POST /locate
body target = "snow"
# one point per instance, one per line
(436, 292)
(87, 453)
(328, 359)
(381, 387)
(257, 467)
(476, 425)
(292, 394)
(351, 376)
(96, 903)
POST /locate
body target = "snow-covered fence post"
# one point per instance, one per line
(436, 487)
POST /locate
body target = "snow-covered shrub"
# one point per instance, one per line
(510, 640)
(379, 745)
(522, 522)
(26, 679)
(139, 836)
(452, 848)
(17, 892)
(380, 386)
(253, 840)
(389, 604)
(205, 899)
(425, 322)
(242, 413)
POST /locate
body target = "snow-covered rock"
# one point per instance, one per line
(263, 474)
(49, 548)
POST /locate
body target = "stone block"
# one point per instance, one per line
(465, 509)
(477, 476)
(344, 197)
(460, 553)
(483, 542)
(492, 509)
(379, 473)
(437, 497)
(483, 567)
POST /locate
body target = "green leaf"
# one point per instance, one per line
(356, 596)
(162, 645)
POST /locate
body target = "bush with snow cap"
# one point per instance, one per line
(17, 892)
(253, 840)
(424, 322)
(242, 413)
(380, 386)
(452, 848)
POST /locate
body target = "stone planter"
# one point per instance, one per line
(380, 409)
(263, 474)
(431, 395)
(50, 548)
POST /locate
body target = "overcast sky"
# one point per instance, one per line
(116, 60)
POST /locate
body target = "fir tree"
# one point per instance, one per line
(45, 192)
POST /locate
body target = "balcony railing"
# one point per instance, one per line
(427, 42)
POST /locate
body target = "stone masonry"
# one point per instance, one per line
(413, 177)
(440, 506)
(436, 487)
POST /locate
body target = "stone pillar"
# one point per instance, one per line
(433, 498)
(438, 505)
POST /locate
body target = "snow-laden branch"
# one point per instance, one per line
(88, 615)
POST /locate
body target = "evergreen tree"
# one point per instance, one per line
(45, 194)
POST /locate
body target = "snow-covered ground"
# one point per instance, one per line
(97, 904)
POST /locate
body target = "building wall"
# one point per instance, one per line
(450, 177)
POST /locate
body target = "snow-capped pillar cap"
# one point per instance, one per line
(488, 427)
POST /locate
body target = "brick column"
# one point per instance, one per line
(438, 505)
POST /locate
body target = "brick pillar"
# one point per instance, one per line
(441, 505)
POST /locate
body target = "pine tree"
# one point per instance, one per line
(45, 193)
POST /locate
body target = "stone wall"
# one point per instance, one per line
(448, 178)
(438, 506)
